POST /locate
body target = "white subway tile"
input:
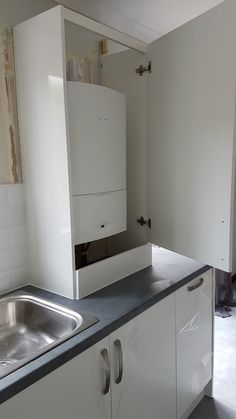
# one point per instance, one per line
(16, 195)
(17, 236)
(11, 217)
(4, 196)
(6, 282)
(19, 277)
(13, 259)
(5, 239)
(18, 257)
(5, 261)
(13, 253)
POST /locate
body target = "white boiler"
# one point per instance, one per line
(97, 133)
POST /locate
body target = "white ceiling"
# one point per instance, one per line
(16, 11)
(146, 20)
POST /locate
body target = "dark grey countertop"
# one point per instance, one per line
(113, 306)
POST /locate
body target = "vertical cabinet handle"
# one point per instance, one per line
(107, 372)
(118, 348)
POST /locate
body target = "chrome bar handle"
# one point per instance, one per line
(118, 347)
(105, 358)
(194, 287)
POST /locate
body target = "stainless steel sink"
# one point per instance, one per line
(30, 326)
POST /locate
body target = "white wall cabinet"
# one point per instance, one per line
(194, 325)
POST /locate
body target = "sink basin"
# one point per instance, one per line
(30, 326)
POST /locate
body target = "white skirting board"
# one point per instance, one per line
(94, 277)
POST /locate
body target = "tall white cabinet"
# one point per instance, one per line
(73, 143)
(189, 112)
(41, 96)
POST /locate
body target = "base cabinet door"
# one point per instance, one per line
(143, 365)
(194, 340)
(73, 391)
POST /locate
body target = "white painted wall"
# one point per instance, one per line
(80, 43)
(13, 250)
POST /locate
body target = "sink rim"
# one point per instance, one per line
(83, 321)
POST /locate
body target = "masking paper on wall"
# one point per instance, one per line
(10, 161)
(82, 68)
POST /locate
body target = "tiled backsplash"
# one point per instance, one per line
(12, 237)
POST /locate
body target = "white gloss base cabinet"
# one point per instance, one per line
(136, 365)
(193, 340)
(148, 384)
(72, 391)
(147, 388)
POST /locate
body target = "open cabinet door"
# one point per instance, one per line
(191, 118)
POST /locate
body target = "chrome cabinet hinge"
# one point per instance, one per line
(143, 222)
(143, 69)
